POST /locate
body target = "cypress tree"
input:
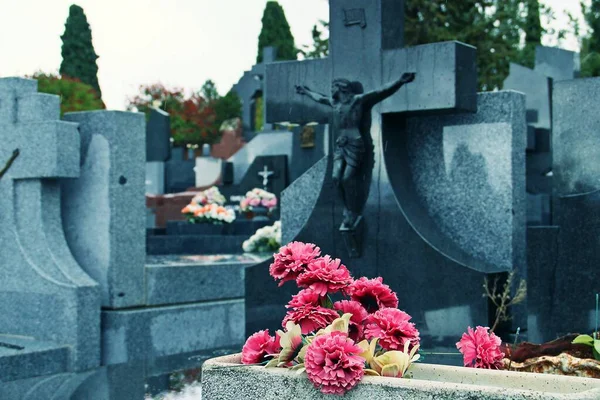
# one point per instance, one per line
(276, 32)
(533, 33)
(79, 57)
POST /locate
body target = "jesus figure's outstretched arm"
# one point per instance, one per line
(376, 96)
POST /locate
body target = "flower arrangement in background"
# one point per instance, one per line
(209, 196)
(258, 198)
(210, 213)
(335, 343)
(265, 239)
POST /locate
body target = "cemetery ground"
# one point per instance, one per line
(403, 235)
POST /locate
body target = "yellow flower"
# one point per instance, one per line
(395, 363)
(291, 342)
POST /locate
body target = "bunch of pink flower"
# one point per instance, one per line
(336, 343)
(258, 198)
(481, 349)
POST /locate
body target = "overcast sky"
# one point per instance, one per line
(179, 43)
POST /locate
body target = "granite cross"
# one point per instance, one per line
(366, 45)
(265, 174)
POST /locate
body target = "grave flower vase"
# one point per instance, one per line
(225, 378)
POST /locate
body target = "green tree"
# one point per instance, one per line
(320, 45)
(79, 57)
(74, 94)
(227, 107)
(533, 33)
(276, 32)
(195, 119)
(493, 26)
(590, 42)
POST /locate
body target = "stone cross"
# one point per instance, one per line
(44, 294)
(366, 45)
(265, 174)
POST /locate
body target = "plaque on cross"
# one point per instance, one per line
(265, 174)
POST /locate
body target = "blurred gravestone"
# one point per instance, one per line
(158, 150)
(49, 307)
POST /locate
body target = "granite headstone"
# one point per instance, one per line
(46, 299)
(106, 241)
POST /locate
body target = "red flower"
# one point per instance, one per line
(303, 298)
(325, 275)
(333, 363)
(480, 349)
(373, 294)
(359, 314)
(259, 347)
(292, 260)
(393, 329)
(311, 318)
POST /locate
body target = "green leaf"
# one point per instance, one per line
(597, 349)
(584, 339)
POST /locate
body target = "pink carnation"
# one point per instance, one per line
(254, 202)
(373, 294)
(359, 314)
(393, 329)
(292, 259)
(480, 348)
(333, 363)
(325, 275)
(259, 347)
(311, 318)
(303, 298)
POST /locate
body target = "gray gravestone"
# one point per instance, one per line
(158, 150)
(248, 88)
(409, 220)
(556, 63)
(273, 143)
(158, 136)
(44, 294)
(576, 203)
(537, 88)
(105, 229)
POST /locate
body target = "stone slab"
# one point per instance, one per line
(576, 149)
(556, 63)
(537, 89)
(194, 244)
(155, 177)
(576, 206)
(152, 332)
(183, 279)
(180, 175)
(158, 136)
(22, 358)
(225, 378)
(542, 265)
(104, 229)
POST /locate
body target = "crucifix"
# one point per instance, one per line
(366, 53)
(265, 174)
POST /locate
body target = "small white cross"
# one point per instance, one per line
(265, 173)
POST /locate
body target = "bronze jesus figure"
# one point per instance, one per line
(351, 126)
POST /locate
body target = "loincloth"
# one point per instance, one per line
(351, 150)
